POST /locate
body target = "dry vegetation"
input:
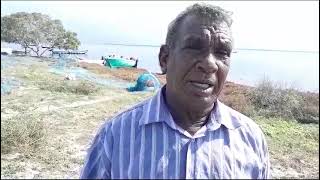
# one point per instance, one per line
(129, 74)
(47, 123)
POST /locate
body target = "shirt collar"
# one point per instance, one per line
(156, 110)
(223, 115)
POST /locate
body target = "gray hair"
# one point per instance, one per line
(208, 11)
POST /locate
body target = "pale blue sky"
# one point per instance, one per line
(286, 25)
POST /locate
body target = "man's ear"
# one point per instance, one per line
(163, 58)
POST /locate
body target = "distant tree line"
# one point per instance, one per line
(36, 31)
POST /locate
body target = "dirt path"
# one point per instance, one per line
(75, 104)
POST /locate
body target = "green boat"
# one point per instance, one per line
(115, 62)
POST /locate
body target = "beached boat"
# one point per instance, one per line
(6, 51)
(118, 62)
(58, 51)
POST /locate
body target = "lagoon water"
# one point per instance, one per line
(291, 69)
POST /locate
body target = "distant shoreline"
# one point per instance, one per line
(158, 46)
(119, 44)
(241, 49)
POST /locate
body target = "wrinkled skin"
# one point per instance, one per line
(201, 55)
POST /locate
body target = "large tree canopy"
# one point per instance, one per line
(35, 30)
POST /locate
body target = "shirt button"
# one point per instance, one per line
(192, 142)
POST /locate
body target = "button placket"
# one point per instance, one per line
(190, 160)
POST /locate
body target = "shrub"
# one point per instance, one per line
(236, 97)
(272, 100)
(308, 112)
(76, 87)
(239, 102)
(23, 133)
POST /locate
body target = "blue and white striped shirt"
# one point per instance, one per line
(144, 142)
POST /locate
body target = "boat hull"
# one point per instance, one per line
(69, 52)
(119, 62)
(6, 51)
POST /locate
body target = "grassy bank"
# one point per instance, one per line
(294, 147)
(48, 122)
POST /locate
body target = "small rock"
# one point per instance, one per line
(70, 77)
(12, 156)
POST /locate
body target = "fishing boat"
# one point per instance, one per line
(6, 51)
(58, 51)
(119, 62)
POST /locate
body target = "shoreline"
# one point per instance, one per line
(131, 74)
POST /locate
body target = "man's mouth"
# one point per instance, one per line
(201, 85)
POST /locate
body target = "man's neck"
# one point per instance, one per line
(187, 119)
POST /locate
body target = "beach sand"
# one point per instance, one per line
(91, 61)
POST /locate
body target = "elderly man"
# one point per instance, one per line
(184, 131)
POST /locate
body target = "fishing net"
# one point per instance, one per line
(8, 83)
(145, 82)
(63, 66)
(7, 62)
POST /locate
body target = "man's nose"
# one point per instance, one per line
(207, 64)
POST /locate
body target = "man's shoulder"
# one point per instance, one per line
(249, 131)
(133, 113)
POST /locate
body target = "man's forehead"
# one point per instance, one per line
(193, 24)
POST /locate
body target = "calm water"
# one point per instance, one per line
(293, 69)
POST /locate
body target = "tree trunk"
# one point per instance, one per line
(25, 46)
(31, 48)
(38, 51)
(45, 50)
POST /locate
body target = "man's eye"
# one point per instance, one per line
(193, 47)
(222, 54)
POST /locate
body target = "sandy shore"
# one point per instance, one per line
(91, 61)
(131, 74)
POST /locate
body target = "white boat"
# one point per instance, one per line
(6, 51)
(58, 51)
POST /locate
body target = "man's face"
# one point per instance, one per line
(198, 65)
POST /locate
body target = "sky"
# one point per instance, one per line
(280, 25)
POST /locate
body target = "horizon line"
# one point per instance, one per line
(250, 49)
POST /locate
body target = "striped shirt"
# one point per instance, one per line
(145, 142)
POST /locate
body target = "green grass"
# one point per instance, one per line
(292, 144)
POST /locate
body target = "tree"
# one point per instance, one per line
(35, 30)
(68, 41)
